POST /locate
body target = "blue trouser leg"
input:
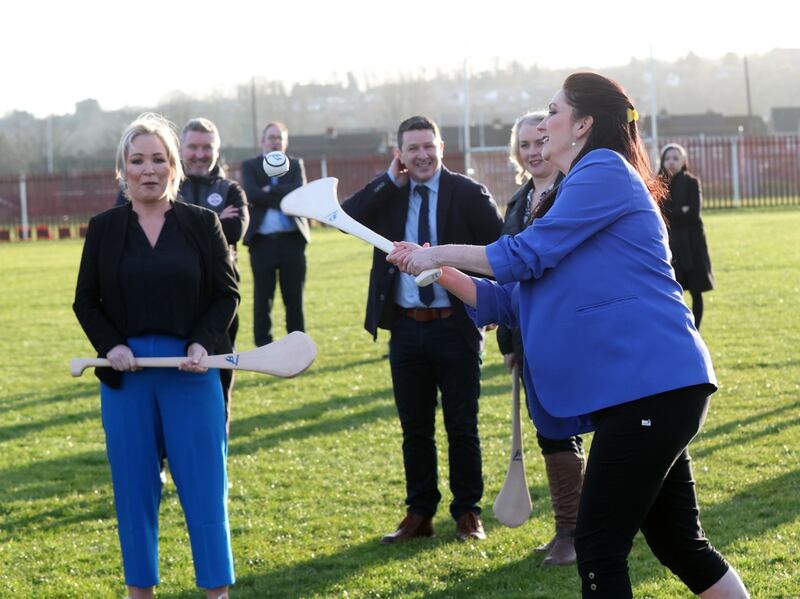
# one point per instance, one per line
(154, 408)
(194, 432)
(133, 446)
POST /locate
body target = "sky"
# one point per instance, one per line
(134, 53)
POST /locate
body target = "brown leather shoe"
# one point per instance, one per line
(412, 526)
(469, 526)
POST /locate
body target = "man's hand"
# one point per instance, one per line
(398, 170)
(194, 354)
(230, 211)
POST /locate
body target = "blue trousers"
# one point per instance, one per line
(182, 412)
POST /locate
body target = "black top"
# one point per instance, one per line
(108, 317)
(161, 284)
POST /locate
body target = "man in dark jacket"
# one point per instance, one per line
(206, 185)
(434, 346)
(277, 242)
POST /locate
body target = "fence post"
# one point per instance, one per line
(323, 166)
(737, 196)
(23, 206)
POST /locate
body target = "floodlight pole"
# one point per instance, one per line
(653, 111)
(467, 140)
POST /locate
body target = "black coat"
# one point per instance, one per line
(465, 214)
(99, 304)
(687, 239)
(254, 179)
(199, 190)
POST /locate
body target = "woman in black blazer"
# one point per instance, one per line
(156, 279)
(687, 240)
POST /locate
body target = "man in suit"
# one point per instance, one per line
(277, 242)
(206, 185)
(433, 346)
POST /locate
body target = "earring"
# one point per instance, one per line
(573, 144)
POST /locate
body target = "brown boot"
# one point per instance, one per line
(562, 551)
(412, 526)
(544, 547)
(565, 477)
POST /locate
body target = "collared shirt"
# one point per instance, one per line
(406, 292)
(276, 221)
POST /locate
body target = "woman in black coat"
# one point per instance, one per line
(687, 240)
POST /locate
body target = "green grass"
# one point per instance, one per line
(315, 461)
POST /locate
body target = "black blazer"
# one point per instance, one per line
(465, 214)
(99, 304)
(254, 179)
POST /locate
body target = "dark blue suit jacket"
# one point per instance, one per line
(254, 179)
(465, 214)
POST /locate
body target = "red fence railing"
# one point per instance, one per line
(734, 171)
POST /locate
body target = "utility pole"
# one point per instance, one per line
(253, 112)
(49, 138)
(747, 89)
(653, 112)
(467, 140)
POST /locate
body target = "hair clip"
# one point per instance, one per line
(632, 115)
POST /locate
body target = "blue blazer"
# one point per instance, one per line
(591, 287)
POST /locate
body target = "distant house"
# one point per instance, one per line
(785, 119)
(709, 123)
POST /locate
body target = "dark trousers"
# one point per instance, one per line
(548, 446)
(276, 258)
(639, 477)
(426, 357)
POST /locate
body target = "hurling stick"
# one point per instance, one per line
(513, 504)
(318, 200)
(286, 357)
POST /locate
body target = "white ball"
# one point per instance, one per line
(276, 164)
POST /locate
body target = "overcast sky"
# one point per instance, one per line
(135, 52)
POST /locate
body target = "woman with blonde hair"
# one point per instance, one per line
(156, 279)
(563, 457)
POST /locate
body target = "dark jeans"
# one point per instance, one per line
(639, 477)
(427, 357)
(279, 257)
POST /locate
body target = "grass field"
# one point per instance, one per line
(315, 462)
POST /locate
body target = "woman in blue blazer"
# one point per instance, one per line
(610, 345)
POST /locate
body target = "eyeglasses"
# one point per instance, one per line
(274, 137)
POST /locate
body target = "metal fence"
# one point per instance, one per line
(734, 171)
